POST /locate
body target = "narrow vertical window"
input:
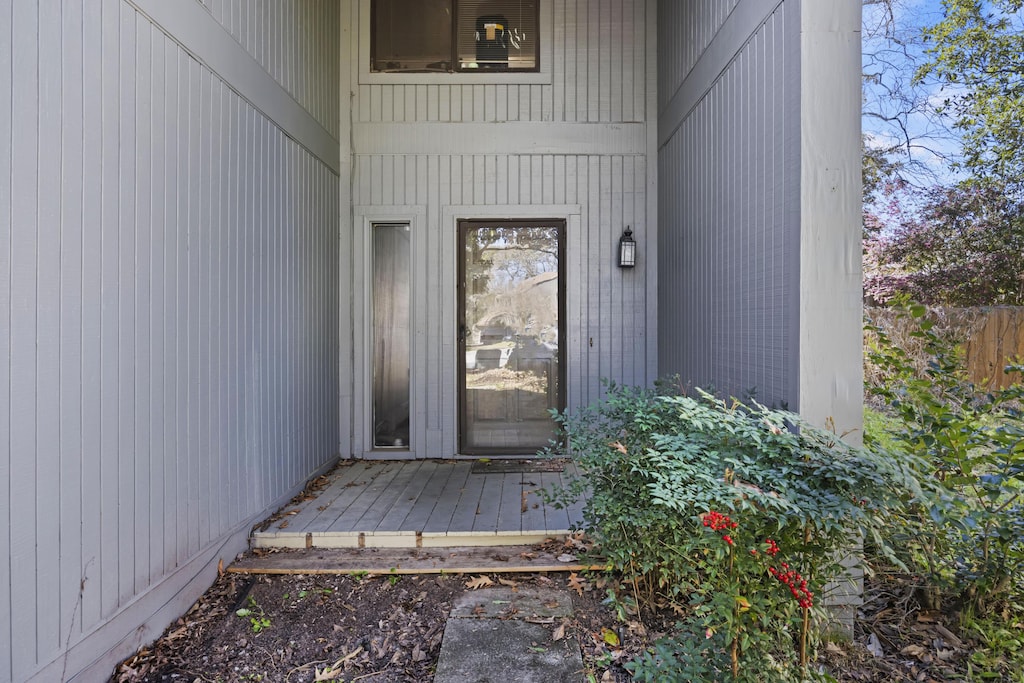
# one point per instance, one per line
(391, 337)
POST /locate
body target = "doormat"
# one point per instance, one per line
(517, 466)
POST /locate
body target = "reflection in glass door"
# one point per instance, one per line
(511, 320)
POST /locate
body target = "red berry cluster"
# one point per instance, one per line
(773, 547)
(719, 522)
(797, 584)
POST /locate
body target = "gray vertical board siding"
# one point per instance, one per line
(606, 304)
(296, 43)
(729, 186)
(23, 311)
(47, 370)
(595, 76)
(685, 30)
(170, 313)
(6, 268)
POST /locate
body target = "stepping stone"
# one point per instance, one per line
(498, 635)
(505, 603)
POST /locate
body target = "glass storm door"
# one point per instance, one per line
(511, 332)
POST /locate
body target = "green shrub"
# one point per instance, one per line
(735, 516)
(968, 539)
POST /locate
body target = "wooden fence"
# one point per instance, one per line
(991, 337)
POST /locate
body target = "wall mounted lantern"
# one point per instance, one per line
(627, 249)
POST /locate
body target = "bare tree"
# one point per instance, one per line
(904, 135)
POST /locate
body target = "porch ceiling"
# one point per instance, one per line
(422, 504)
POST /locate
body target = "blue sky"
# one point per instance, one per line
(931, 143)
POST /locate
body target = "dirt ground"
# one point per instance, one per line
(346, 628)
(383, 629)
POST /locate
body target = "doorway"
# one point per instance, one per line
(511, 327)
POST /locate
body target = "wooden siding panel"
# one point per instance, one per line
(22, 417)
(125, 268)
(727, 251)
(154, 312)
(71, 408)
(109, 332)
(685, 31)
(294, 43)
(47, 370)
(143, 342)
(6, 265)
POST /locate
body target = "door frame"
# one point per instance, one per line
(462, 227)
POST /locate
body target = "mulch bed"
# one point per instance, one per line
(389, 628)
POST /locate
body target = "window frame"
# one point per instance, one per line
(542, 76)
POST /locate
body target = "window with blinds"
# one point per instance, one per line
(455, 35)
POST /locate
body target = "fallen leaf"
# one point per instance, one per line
(609, 636)
(479, 582)
(913, 651)
(334, 671)
(636, 628)
(577, 584)
(617, 445)
(834, 649)
(508, 582)
(559, 632)
(578, 540)
(220, 567)
(327, 674)
(566, 557)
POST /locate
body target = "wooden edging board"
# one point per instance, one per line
(385, 561)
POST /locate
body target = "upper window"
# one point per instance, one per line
(455, 35)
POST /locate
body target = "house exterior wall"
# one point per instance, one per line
(575, 141)
(759, 173)
(729, 176)
(168, 244)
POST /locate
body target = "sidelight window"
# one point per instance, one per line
(391, 352)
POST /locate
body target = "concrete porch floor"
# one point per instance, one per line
(426, 504)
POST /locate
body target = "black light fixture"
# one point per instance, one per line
(627, 249)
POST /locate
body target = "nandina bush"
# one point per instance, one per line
(734, 516)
